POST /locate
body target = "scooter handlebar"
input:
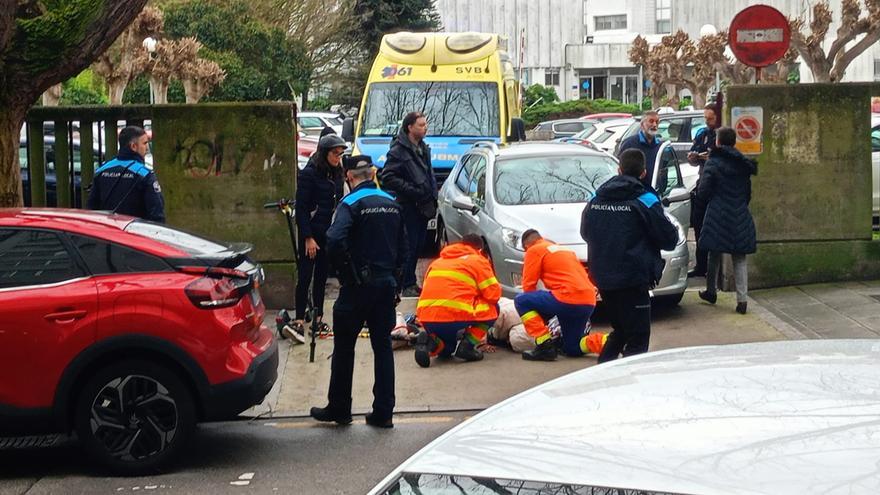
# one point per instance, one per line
(279, 204)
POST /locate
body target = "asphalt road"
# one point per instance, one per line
(281, 455)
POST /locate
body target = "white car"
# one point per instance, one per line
(606, 134)
(782, 418)
(312, 123)
(498, 192)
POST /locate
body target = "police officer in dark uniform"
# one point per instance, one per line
(625, 228)
(367, 243)
(704, 144)
(126, 184)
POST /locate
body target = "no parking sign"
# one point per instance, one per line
(748, 122)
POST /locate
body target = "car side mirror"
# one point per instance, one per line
(348, 130)
(465, 204)
(676, 195)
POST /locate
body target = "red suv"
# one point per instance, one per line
(126, 332)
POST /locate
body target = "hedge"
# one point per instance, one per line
(574, 109)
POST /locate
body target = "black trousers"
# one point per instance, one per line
(308, 270)
(630, 313)
(416, 230)
(698, 213)
(355, 306)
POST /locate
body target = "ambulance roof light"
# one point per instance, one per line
(467, 42)
(406, 42)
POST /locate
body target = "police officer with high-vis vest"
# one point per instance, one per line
(571, 298)
(367, 243)
(126, 184)
(460, 295)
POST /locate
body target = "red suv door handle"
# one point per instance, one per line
(66, 316)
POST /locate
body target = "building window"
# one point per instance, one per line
(551, 78)
(664, 16)
(877, 69)
(609, 22)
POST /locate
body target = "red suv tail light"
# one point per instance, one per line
(218, 288)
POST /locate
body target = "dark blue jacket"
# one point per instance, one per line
(625, 229)
(408, 173)
(127, 185)
(316, 197)
(703, 142)
(640, 142)
(367, 241)
(726, 187)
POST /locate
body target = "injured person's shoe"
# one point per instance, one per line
(545, 351)
(467, 351)
(425, 344)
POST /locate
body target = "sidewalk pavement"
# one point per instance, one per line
(845, 310)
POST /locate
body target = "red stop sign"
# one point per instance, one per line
(747, 128)
(759, 35)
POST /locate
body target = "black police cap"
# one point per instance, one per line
(356, 162)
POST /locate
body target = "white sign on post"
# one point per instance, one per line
(748, 122)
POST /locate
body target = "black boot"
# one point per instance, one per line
(379, 422)
(467, 351)
(327, 415)
(425, 345)
(545, 351)
(706, 296)
(742, 307)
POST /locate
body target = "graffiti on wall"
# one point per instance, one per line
(216, 155)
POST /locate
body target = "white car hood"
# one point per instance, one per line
(798, 417)
(561, 223)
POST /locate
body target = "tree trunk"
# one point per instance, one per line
(305, 100)
(160, 91)
(52, 96)
(194, 90)
(117, 89)
(10, 174)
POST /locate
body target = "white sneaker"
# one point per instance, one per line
(293, 335)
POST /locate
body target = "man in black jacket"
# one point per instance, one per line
(625, 228)
(367, 243)
(408, 175)
(126, 184)
(647, 140)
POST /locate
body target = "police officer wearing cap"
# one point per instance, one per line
(126, 184)
(319, 187)
(367, 244)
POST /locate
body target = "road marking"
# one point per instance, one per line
(243, 480)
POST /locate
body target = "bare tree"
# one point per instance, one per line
(855, 31)
(52, 96)
(168, 63)
(43, 44)
(323, 27)
(125, 59)
(199, 76)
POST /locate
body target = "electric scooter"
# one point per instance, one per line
(286, 206)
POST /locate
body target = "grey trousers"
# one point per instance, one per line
(740, 274)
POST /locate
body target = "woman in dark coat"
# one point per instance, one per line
(726, 188)
(319, 187)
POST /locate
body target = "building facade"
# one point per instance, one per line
(580, 47)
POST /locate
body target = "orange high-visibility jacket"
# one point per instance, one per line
(460, 285)
(560, 270)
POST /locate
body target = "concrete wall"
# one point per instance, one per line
(218, 164)
(811, 199)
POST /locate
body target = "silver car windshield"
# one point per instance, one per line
(542, 180)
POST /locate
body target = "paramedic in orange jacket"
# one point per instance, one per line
(571, 297)
(460, 292)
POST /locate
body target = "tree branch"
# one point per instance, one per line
(845, 58)
(76, 35)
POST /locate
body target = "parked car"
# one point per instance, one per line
(499, 192)
(875, 170)
(312, 123)
(566, 127)
(604, 117)
(51, 177)
(305, 147)
(679, 128)
(787, 418)
(126, 332)
(607, 134)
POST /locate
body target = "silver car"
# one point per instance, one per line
(781, 418)
(499, 192)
